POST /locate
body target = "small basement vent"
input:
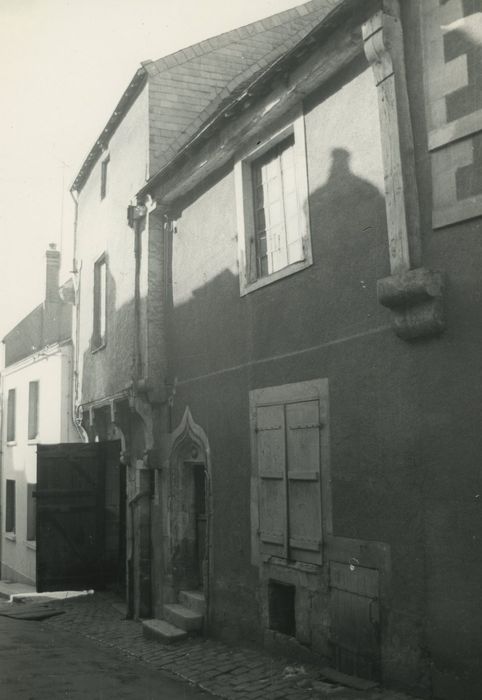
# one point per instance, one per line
(282, 608)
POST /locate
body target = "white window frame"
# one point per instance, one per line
(99, 316)
(248, 275)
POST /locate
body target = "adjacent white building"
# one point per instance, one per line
(36, 391)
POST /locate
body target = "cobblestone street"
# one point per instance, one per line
(228, 672)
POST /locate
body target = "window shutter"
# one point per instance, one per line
(270, 432)
(304, 481)
(33, 395)
(294, 236)
(11, 410)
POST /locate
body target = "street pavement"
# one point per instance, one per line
(38, 662)
(96, 624)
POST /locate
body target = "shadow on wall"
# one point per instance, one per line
(334, 297)
(108, 367)
(349, 225)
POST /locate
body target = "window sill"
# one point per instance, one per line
(33, 441)
(11, 443)
(31, 544)
(247, 288)
(98, 348)
(10, 536)
(288, 564)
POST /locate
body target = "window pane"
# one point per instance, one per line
(31, 512)
(10, 506)
(100, 302)
(102, 292)
(277, 210)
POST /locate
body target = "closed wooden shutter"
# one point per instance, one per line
(33, 396)
(11, 411)
(270, 432)
(304, 487)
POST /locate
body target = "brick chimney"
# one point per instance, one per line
(52, 304)
(52, 274)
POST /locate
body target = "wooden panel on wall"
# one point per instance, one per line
(453, 79)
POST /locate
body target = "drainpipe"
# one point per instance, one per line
(139, 602)
(136, 220)
(76, 419)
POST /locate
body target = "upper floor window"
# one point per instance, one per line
(272, 208)
(11, 414)
(33, 399)
(104, 166)
(100, 302)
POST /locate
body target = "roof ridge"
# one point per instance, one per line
(187, 53)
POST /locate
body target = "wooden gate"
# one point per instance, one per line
(355, 638)
(74, 517)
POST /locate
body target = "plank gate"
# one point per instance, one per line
(355, 620)
(79, 516)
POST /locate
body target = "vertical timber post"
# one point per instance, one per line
(413, 293)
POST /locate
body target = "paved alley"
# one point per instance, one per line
(38, 662)
(92, 646)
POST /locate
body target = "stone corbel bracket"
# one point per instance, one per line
(416, 300)
(414, 294)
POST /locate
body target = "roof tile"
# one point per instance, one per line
(186, 87)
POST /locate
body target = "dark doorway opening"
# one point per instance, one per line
(282, 616)
(199, 481)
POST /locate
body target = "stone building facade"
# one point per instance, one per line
(290, 322)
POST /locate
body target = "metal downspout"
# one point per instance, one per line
(75, 370)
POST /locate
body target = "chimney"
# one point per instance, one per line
(52, 274)
(52, 304)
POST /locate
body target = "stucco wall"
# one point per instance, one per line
(405, 417)
(53, 370)
(322, 322)
(102, 228)
(448, 371)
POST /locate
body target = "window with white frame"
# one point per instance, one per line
(272, 208)
(100, 303)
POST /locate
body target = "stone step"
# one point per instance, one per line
(183, 617)
(163, 631)
(194, 600)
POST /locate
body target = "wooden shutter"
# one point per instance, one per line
(33, 394)
(11, 409)
(291, 206)
(270, 432)
(304, 487)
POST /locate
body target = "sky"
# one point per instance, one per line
(64, 64)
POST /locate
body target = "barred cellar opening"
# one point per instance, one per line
(281, 598)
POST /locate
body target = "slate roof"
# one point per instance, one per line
(189, 85)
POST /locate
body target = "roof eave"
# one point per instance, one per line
(100, 145)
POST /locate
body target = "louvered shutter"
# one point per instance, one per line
(304, 481)
(270, 440)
